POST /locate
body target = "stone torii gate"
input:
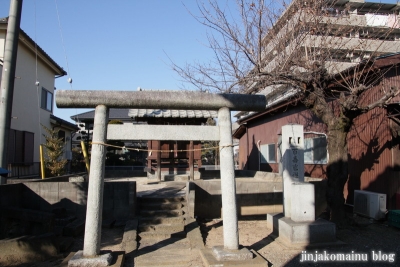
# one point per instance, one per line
(103, 100)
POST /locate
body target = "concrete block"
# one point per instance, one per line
(210, 261)
(78, 260)
(31, 197)
(49, 192)
(121, 193)
(248, 210)
(176, 177)
(118, 258)
(81, 197)
(129, 242)
(34, 187)
(265, 209)
(68, 191)
(222, 254)
(191, 200)
(49, 186)
(306, 233)
(108, 207)
(132, 200)
(303, 202)
(76, 179)
(273, 222)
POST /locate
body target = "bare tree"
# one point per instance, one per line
(320, 52)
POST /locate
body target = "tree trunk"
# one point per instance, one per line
(337, 170)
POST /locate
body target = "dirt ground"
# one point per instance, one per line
(365, 237)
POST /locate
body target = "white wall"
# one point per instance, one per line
(26, 112)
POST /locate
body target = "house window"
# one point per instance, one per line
(20, 146)
(47, 100)
(268, 153)
(315, 151)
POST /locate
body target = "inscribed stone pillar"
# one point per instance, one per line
(91, 246)
(292, 162)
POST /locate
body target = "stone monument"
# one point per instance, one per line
(297, 226)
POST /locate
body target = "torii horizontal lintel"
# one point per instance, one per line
(159, 100)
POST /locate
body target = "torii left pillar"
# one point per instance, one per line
(90, 256)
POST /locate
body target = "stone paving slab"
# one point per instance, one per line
(209, 260)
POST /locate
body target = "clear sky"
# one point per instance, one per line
(115, 45)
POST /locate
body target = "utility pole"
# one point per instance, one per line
(8, 77)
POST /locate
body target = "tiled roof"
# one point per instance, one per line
(115, 113)
(126, 114)
(167, 113)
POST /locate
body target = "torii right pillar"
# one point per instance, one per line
(230, 250)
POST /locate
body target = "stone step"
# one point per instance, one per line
(160, 206)
(176, 227)
(162, 235)
(146, 245)
(176, 177)
(161, 213)
(158, 199)
(161, 220)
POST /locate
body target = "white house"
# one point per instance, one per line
(32, 103)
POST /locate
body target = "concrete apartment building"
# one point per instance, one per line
(341, 32)
(338, 33)
(32, 104)
(341, 35)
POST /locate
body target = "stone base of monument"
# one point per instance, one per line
(300, 234)
(219, 257)
(106, 258)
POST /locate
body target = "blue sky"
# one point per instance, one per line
(115, 45)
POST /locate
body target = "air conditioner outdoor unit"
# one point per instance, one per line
(370, 204)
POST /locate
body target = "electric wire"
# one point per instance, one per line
(66, 57)
(63, 44)
(37, 83)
